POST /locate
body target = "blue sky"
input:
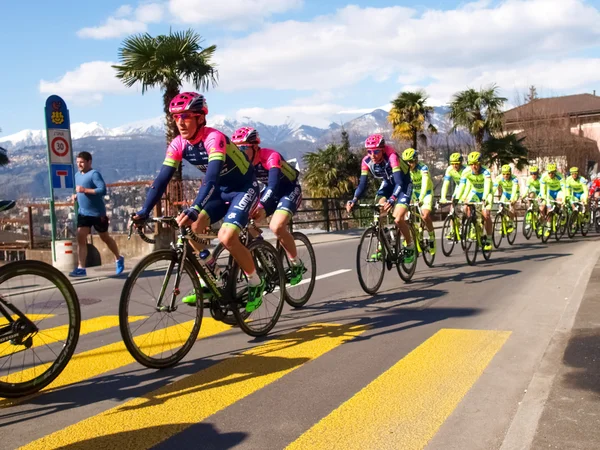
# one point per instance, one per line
(303, 60)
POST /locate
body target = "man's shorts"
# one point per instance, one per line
(428, 202)
(475, 196)
(287, 200)
(233, 207)
(506, 196)
(100, 224)
(387, 189)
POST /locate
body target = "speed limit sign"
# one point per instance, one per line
(60, 146)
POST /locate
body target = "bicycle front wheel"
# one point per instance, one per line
(585, 223)
(528, 225)
(45, 296)
(512, 234)
(298, 294)
(258, 321)
(448, 236)
(370, 261)
(498, 231)
(406, 269)
(573, 225)
(157, 329)
(471, 240)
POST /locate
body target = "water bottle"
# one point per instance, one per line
(209, 260)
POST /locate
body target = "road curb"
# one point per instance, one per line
(523, 427)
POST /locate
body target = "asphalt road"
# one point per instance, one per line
(444, 362)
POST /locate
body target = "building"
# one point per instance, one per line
(562, 129)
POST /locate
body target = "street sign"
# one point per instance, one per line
(59, 142)
(62, 176)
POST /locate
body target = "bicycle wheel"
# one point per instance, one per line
(528, 224)
(510, 237)
(498, 230)
(217, 310)
(427, 246)
(585, 223)
(156, 335)
(261, 320)
(471, 241)
(561, 225)
(448, 236)
(297, 295)
(406, 270)
(45, 296)
(573, 225)
(370, 261)
(547, 227)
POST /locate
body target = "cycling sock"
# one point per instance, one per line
(294, 261)
(253, 279)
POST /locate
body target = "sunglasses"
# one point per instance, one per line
(244, 147)
(373, 152)
(184, 116)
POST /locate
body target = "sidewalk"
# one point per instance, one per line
(571, 415)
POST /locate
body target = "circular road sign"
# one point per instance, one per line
(59, 146)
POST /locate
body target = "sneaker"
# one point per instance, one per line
(79, 272)
(450, 236)
(190, 299)
(296, 272)
(432, 245)
(120, 263)
(377, 255)
(255, 294)
(409, 254)
(487, 244)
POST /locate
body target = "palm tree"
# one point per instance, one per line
(408, 116)
(166, 61)
(480, 112)
(505, 150)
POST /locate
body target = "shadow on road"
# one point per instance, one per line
(582, 353)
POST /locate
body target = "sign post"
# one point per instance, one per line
(60, 154)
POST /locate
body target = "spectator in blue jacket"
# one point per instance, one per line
(91, 189)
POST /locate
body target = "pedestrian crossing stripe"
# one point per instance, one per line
(173, 408)
(110, 357)
(404, 407)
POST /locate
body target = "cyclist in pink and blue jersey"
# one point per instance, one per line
(229, 177)
(281, 195)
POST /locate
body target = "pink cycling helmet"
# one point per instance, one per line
(375, 141)
(245, 135)
(188, 101)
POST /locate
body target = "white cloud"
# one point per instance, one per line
(359, 43)
(149, 12)
(113, 28)
(87, 83)
(125, 21)
(236, 12)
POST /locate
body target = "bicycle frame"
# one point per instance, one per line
(378, 224)
(28, 327)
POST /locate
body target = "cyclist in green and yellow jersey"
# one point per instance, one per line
(576, 187)
(507, 187)
(479, 179)
(532, 185)
(422, 189)
(453, 172)
(551, 187)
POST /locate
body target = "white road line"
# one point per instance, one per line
(320, 277)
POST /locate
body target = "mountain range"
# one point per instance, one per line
(136, 150)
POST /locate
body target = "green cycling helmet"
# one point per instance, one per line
(409, 154)
(574, 170)
(551, 167)
(456, 158)
(534, 170)
(474, 158)
(506, 169)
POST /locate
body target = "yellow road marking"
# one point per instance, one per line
(56, 334)
(173, 408)
(110, 357)
(404, 407)
(32, 317)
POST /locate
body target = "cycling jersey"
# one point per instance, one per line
(454, 175)
(422, 184)
(480, 184)
(227, 171)
(595, 186)
(576, 188)
(551, 187)
(391, 169)
(532, 185)
(510, 187)
(281, 182)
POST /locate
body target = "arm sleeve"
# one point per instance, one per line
(158, 187)
(99, 183)
(460, 190)
(445, 184)
(362, 186)
(487, 186)
(584, 194)
(496, 187)
(515, 189)
(268, 198)
(400, 184)
(425, 180)
(210, 185)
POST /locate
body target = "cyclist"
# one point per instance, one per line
(396, 189)
(551, 188)
(532, 185)
(422, 190)
(479, 179)
(281, 195)
(595, 188)
(229, 177)
(453, 172)
(576, 187)
(507, 186)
